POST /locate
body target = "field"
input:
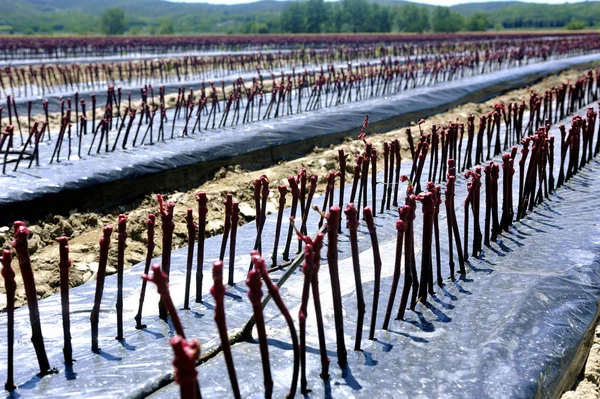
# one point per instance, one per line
(92, 133)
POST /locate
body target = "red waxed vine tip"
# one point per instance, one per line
(217, 273)
(293, 182)
(64, 251)
(186, 356)
(5, 260)
(254, 284)
(259, 262)
(189, 218)
(342, 156)
(404, 212)
(17, 225)
(122, 224)
(261, 192)
(168, 211)
(202, 199)
(426, 199)
(352, 214)
(264, 182)
(282, 190)
(20, 237)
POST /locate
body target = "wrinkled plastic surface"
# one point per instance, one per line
(135, 56)
(171, 86)
(125, 166)
(509, 328)
(34, 93)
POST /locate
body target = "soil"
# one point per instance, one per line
(84, 227)
(588, 386)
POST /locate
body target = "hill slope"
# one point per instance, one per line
(146, 16)
(470, 8)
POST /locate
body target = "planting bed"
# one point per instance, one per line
(166, 165)
(39, 48)
(515, 322)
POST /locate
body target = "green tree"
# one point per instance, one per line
(478, 22)
(337, 18)
(413, 18)
(575, 25)
(445, 20)
(112, 21)
(316, 15)
(293, 19)
(384, 18)
(527, 15)
(166, 27)
(378, 19)
(134, 30)
(356, 14)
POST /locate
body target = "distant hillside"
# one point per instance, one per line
(470, 8)
(47, 16)
(400, 3)
(527, 16)
(152, 8)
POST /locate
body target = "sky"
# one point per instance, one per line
(433, 2)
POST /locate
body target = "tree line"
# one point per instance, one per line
(317, 16)
(305, 16)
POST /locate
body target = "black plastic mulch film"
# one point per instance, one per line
(509, 328)
(124, 166)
